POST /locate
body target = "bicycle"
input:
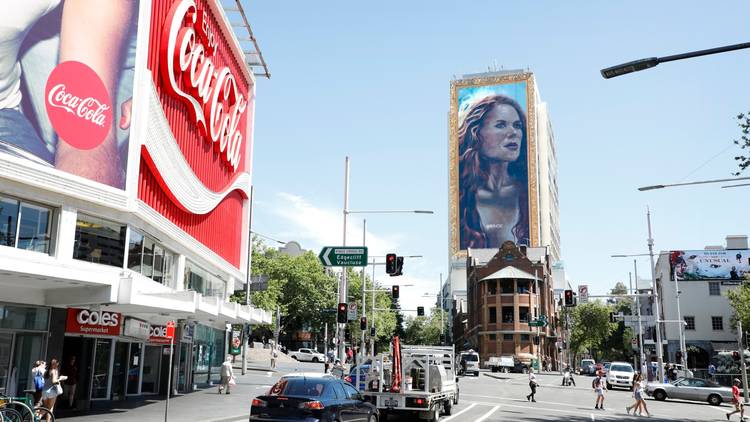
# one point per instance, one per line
(22, 409)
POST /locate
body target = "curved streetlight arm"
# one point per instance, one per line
(647, 63)
(700, 182)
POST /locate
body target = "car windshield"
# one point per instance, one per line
(587, 362)
(304, 387)
(471, 358)
(621, 368)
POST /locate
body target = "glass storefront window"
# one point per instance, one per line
(201, 281)
(101, 369)
(23, 318)
(24, 226)
(100, 241)
(8, 221)
(148, 257)
(134, 368)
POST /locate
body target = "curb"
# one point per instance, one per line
(231, 418)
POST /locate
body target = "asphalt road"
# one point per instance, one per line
(502, 397)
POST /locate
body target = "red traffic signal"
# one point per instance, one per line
(363, 323)
(341, 316)
(390, 263)
(569, 298)
(736, 355)
(394, 292)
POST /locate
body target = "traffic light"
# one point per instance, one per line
(736, 355)
(341, 316)
(569, 298)
(420, 310)
(394, 292)
(442, 339)
(347, 334)
(399, 266)
(363, 323)
(612, 317)
(390, 263)
(372, 331)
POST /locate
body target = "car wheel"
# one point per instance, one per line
(455, 400)
(714, 399)
(447, 408)
(294, 357)
(493, 369)
(660, 395)
(434, 414)
(372, 418)
(609, 386)
(315, 360)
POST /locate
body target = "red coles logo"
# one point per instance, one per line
(211, 93)
(84, 321)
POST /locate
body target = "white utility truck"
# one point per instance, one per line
(421, 381)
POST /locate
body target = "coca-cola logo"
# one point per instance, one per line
(210, 92)
(78, 105)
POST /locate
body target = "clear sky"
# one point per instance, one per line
(371, 80)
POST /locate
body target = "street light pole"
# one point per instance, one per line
(442, 317)
(699, 182)
(659, 346)
(362, 348)
(248, 276)
(342, 284)
(642, 356)
(647, 63)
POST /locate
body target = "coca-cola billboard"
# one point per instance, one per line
(207, 96)
(66, 96)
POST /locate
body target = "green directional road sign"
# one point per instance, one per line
(344, 256)
(538, 323)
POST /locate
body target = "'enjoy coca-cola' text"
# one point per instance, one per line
(211, 92)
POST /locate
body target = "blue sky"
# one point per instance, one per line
(371, 80)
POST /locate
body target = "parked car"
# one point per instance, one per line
(307, 355)
(321, 398)
(501, 364)
(585, 365)
(472, 362)
(690, 389)
(619, 374)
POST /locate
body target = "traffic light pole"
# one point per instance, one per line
(641, 355)
(659, 345)
(362, 347)
(342, 283)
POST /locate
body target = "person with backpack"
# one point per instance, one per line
(37, 375)
(598, 386)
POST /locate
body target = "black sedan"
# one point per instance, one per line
(312, 399)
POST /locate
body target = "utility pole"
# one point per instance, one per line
(742, 359)
(372, 318)
(363, 347)
(442, 317)
(248, 278)
(659, 345)
(343, 297)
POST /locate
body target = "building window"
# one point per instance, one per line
(100, 241)
(507, 314)
(714, 288)
(523, 286)
(24, 225)
(199, 280)
(525, 337)
(523, 314)
(508, 337)
(493, 337)
(493, 315)
(149, 258)
(507, 286)
(717, 323)
(690, 323)
(492, 287)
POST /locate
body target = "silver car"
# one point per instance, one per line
(690, 389)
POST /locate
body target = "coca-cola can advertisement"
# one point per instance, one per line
(66, 84)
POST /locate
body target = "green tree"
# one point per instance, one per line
(590, 328)
(743, 161)
(739, 298)
(425, 330)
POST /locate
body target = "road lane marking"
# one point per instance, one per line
(459, 413)
(487, 415)
(520, 400)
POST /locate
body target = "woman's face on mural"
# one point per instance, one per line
(500, 134)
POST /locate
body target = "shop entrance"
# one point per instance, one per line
(151, 370)
(76, 364)
(126, 370)
(18, 352)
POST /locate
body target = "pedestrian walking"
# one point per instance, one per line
(274, 355)
(70, 370)
(37, 374)
(533, 384)
(227, 375)
(711, 371)
(639, 403)
(52, 387)
(598, 386)
(739, 406)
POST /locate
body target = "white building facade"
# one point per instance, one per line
(99, 251)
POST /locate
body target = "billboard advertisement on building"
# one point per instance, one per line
(493, 186)
(66, 85)
(196, 172)
(710, 265)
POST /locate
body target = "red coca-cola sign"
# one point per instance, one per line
(85, 321)
(207, 95)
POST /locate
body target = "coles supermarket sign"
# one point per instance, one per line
(84, 321)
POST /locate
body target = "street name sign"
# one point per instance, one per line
(537, 323)
(343, 256)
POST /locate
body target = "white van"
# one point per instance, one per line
(472, 362)
(620, 374)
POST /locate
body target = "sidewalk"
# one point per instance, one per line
(201, 405)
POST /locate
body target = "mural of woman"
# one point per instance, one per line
(493, 174)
